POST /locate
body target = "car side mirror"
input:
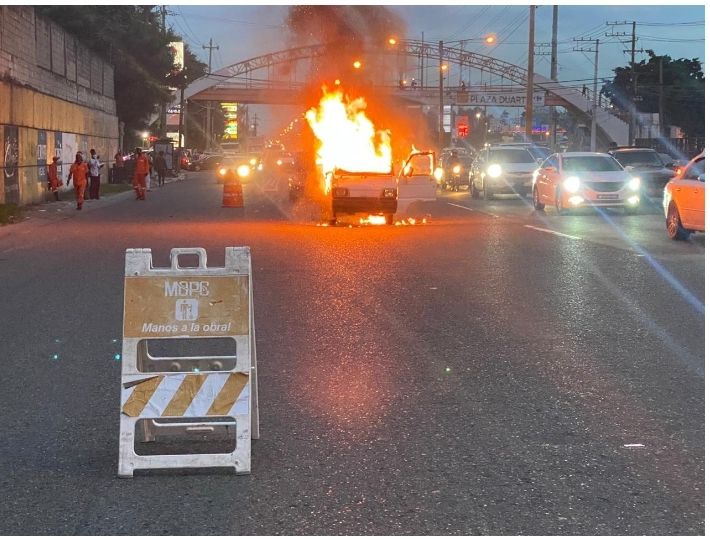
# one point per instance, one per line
(701, 177)
(628, 168)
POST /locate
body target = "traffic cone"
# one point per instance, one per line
(232, 195)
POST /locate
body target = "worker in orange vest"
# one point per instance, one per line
(141, 169)
(53, 181)
(79, 171)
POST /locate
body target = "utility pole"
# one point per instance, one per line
(162, 121)
(593, 142)
(209, 103)
(441, 95)
(421, 64)
(553, 75)
(531, 74)
(661, 134)
(634, 98)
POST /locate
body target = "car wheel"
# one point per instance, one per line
(536, 200)
(561, 210)
(674, 226)
(487, 193)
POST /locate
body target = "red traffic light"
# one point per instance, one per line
(463, 131)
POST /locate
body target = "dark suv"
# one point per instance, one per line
(648, 165)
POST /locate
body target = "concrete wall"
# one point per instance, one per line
(55, 97)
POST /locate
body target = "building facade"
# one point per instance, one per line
(56, 98)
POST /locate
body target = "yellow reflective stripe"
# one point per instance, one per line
(142, 392)
(228, 395)
(187, 391)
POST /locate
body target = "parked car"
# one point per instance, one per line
(648, 165)
(502, 169)
(208, 163)
(684, 200)
(577, 179)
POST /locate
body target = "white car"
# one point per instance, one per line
(578, 179)
(684, 200)
(502, 169)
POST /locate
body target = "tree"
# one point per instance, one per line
(683, 91)
(132, 40)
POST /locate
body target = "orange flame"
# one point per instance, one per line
(347, 138)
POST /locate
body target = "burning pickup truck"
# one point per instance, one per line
(355, 159)
(371, 193)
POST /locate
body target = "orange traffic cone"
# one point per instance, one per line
(232, 195)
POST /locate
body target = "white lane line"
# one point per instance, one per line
(553, 232)
(472, 209)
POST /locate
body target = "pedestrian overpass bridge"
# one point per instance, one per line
(256, 81)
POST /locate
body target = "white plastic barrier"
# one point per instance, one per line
(188, 396)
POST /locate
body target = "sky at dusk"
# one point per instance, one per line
(246, 31)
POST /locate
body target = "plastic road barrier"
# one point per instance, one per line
(233, 195)
(175, 401)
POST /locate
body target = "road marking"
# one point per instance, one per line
(472, 209)
(553, 232)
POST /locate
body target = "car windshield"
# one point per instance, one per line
(590, 164)
(695, 170)
(540, 151)
(638, 158)
(511, 155)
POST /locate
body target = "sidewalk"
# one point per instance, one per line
(39, 215)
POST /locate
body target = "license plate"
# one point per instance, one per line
(607, 196)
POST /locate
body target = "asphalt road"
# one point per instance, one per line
(484, 373)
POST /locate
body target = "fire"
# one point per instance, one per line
(347, 138)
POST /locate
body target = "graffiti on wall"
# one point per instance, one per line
(11, 158)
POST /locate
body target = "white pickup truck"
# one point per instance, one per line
(373, 194)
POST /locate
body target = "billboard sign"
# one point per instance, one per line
(231, 121)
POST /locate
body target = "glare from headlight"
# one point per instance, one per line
(252, 161)
(243, 171)
(635, 183)
(438, 174)
(495, 170)
(279, 162)
(260, 167)
(634, 200)
(457, 169)
(222, 171)
(571, 184)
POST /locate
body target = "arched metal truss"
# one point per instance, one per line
(569, 97)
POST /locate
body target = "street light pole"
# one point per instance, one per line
(593, 147)
(531, 74)
(441, 95)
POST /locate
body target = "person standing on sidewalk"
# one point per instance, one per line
(161, 167)
(79, 171)
(53, 181)
(141, 169)
(118, 167)
(95, 174)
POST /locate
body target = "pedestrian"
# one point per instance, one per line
(584, 90)
(141, 169)
(149, 176)
(161, 167)
(95, 174)
(118, 167)
(79, 172)
(53, 180)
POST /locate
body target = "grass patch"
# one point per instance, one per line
(112, 189)
(9, 213)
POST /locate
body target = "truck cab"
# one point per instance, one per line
(369, 193)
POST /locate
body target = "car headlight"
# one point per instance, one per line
(279, 162)
(457, 169)
(222, 171)
(438, 174)
(243, 171)
(260, 167)
(571, 184)
(252, 161)
(635, 183)
(494, 171)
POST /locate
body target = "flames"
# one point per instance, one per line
(347, 138)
